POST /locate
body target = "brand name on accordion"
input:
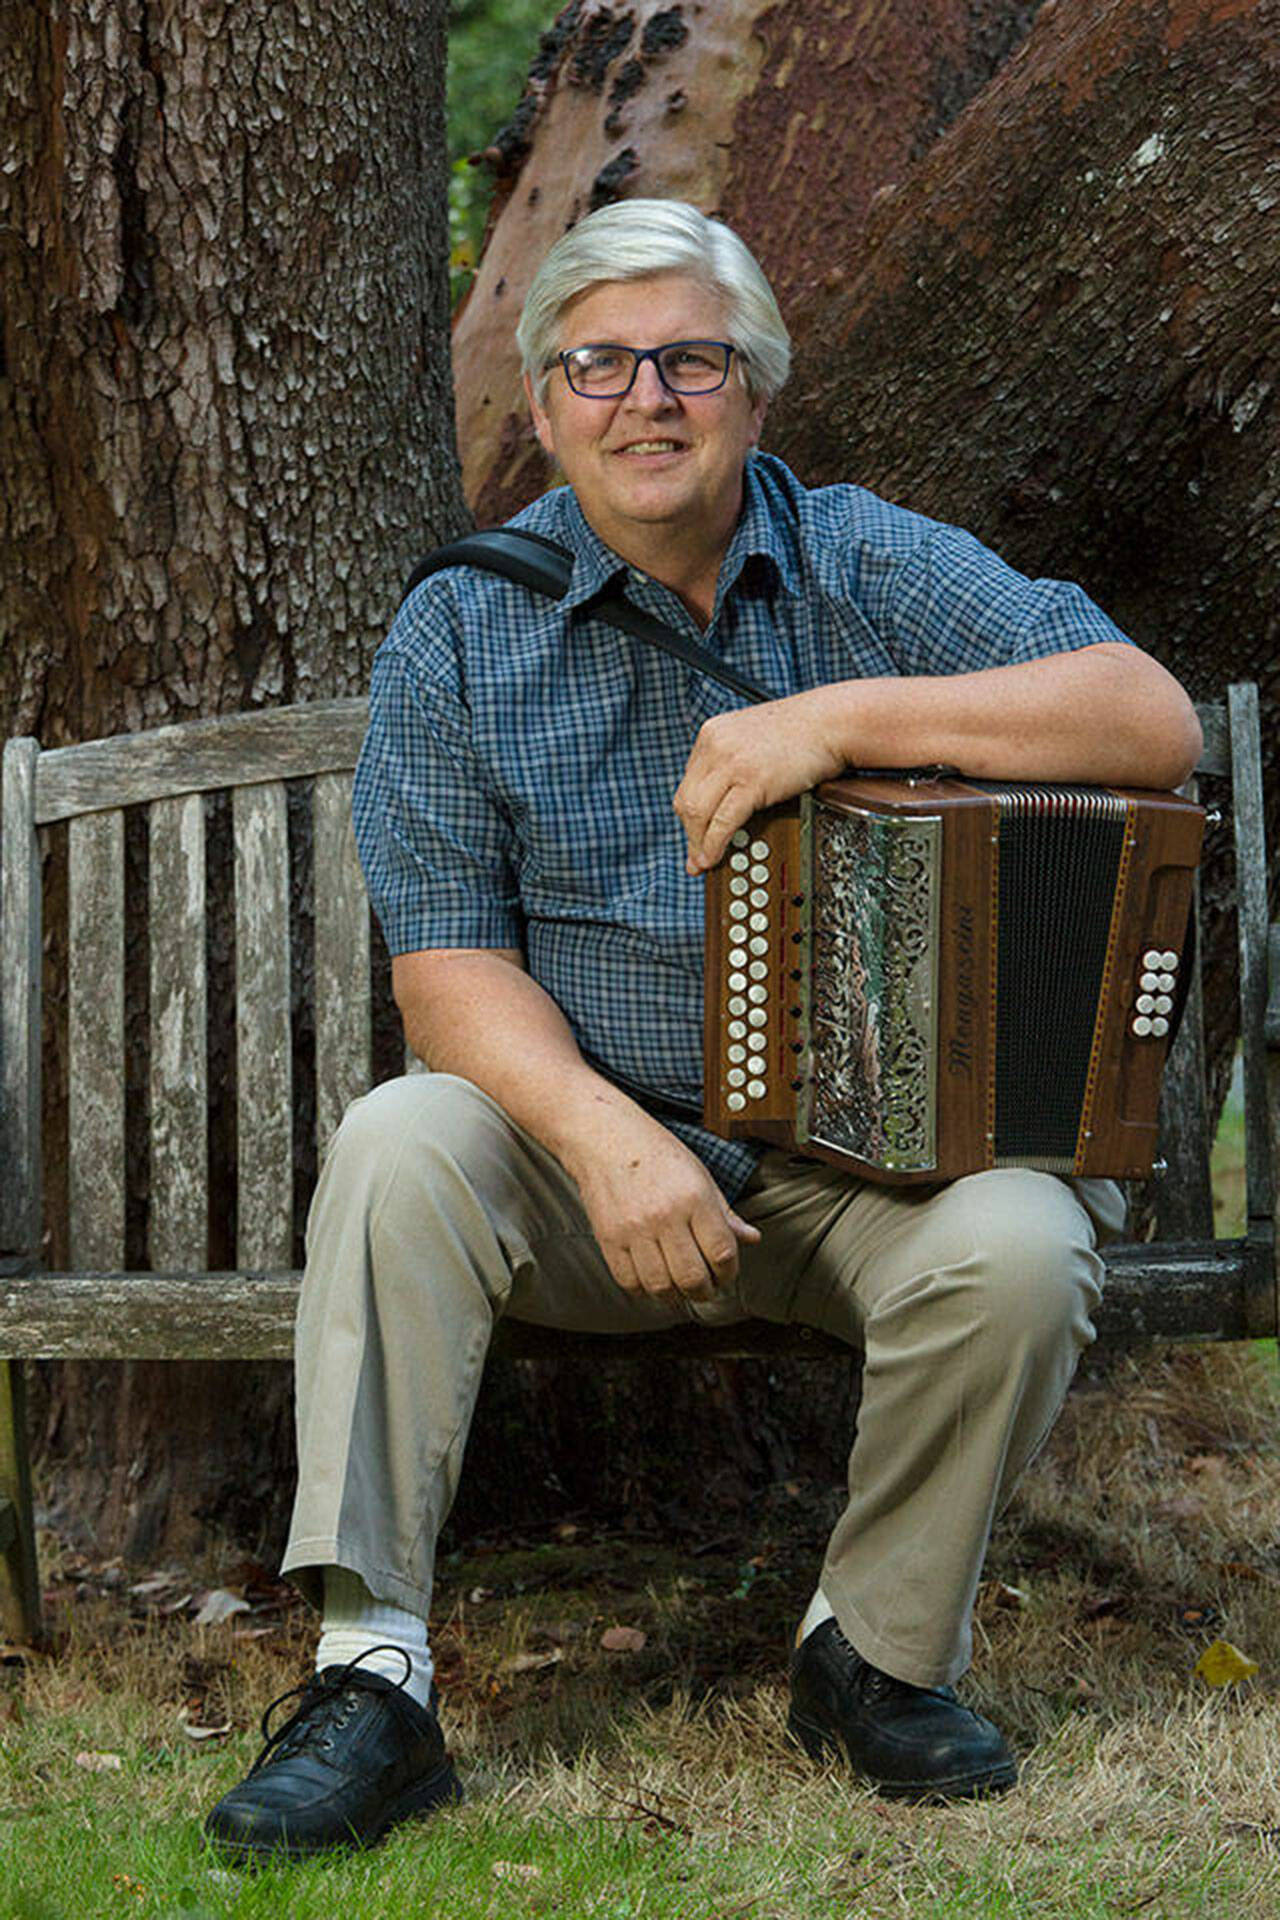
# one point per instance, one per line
(960, 1040)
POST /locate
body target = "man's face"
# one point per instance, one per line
(652, 462)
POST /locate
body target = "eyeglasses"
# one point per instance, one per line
(606, 372)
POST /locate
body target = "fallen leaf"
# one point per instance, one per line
(218, 1605)
(100, 1762)
(623, 1639)
(207, 1733)
(1222, 1665)
(531, 1662)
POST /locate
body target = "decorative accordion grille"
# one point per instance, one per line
(872, 987)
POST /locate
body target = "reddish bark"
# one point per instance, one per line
(784, 119)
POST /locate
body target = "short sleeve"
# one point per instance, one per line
(434, 840)
(956, 607)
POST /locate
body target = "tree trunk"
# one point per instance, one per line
(1063, 333)
(785, 120)
(226, 431)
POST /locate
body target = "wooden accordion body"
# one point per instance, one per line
(918, 977)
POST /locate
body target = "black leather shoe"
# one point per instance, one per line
(355, 1757)
(913, 1743)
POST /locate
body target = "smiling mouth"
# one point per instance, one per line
(653, 446)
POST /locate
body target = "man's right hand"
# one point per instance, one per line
(664, 1226)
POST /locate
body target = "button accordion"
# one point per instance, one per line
(918, 977)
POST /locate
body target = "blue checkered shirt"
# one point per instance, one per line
(515, 786)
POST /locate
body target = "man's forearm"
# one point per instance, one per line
(1109, 715)
(478, 1014)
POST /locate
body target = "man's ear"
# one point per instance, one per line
(541, 419)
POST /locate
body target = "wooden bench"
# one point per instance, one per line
(100, 837)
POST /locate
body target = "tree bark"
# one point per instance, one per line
(225, 407)
(1062, 332)
(784, 119)
(226, 430)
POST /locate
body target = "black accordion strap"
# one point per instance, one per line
(544, 567)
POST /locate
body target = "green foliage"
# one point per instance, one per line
(491, 45)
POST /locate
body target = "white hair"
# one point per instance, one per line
(634, 239)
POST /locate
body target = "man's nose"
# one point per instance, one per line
(647, 389)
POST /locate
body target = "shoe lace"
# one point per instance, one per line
(325, 1704)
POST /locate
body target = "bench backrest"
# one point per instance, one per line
(167, 774)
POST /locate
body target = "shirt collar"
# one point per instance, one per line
(759, 533)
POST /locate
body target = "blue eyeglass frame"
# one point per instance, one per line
(641, 354)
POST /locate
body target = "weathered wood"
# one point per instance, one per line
(1251, 921)
(1215, 753)
(1177, 1293)
(95, 1040)
(198, 756)
(19, 1578)
(264, 1065)
(178, 1230)
(21, 921)
(343, 997)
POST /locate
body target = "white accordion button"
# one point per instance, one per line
(758, 944)
(739, 862)
(759, 897)
(758, 969)
(736, 1102)
(1168, 961)
(737, 1029)
(1145, 1003)
(1159, 1028)
(737, 911)
(757, 995)
(737, 956)
(756, 1089)
(737, 1005)
(738, 982)
(757, 1017)
(1164, 983)
(1153, 960)
(740, 838)
(736, 1077)
(759, 923)
(1142, 1026)
(737, 1054)
(1149, 982)
(759, 849)
(1163, 1003)
(738, 884)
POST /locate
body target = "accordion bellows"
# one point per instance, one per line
(921, 977)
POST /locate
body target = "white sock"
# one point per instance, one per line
(355, 1623)
(820, 1609)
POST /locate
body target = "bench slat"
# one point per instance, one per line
(264, 1075)
(21, 921)
(179, 1222)
(342, 980)
(95, 1040)
(1185, 1292)
(280, 743)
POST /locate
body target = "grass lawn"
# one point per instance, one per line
(654, 1778)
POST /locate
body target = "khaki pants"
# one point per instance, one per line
(434, 1215)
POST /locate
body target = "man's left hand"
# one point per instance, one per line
(751, 759)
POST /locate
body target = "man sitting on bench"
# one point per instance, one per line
(536, 804)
